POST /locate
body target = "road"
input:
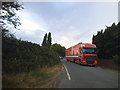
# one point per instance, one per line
(78, 76)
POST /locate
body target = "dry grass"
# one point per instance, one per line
(40, 78)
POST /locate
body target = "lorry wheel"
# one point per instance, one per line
(79, 62)
(74, 61)
(67, 60)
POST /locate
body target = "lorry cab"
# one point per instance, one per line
(83, 53)
(88, 54)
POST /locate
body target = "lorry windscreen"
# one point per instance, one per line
(89, 50)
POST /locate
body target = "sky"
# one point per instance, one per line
(68, 22)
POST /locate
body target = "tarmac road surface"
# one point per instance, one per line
(78, 76)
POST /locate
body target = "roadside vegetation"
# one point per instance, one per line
(108, 43)
(38, 78)
(26, 58)
(26, 64)
(23, 56)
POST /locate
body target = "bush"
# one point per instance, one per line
(23, 56)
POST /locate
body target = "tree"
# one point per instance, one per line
(49, 40)
(59, 49)
(44, 43)
(93, 39)
(8, 13)
(22, 56)
(108, 41)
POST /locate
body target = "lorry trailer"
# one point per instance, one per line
(83, 53)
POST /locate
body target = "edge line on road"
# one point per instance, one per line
(67, 72)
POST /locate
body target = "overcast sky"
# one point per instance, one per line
(68, 22)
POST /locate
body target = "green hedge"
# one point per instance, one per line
(23, 56)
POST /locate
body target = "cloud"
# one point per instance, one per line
(36, 36)
(69, 23)
(30, 26)
(63, 40)
(30, 29)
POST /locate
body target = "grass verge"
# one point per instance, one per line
(39, 78)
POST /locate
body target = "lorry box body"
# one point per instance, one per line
(82, 53)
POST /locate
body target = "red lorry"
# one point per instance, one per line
(82, 53)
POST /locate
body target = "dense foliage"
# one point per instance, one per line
(108, 42)
(8, 13)
(47, 41)
(23, 56)
(59, 49)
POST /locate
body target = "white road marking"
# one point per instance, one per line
(67, 72)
